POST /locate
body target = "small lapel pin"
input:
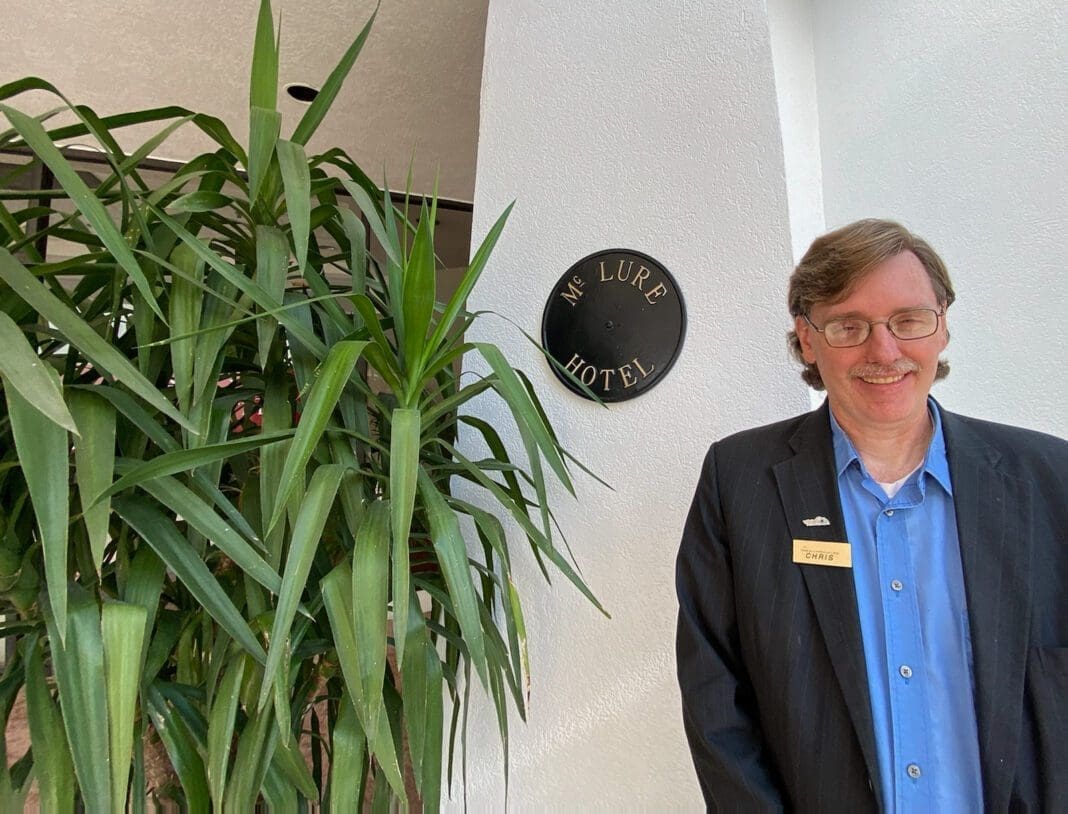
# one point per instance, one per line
(818, 520)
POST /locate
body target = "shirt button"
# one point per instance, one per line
(896, 584)
(914, 771)
(906, 672)
(889, 512)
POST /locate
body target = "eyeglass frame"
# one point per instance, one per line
(939, 313)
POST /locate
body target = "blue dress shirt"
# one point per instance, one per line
(914, 621)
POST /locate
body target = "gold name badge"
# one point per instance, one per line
(817, 552)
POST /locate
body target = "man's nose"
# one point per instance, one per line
(882, 345)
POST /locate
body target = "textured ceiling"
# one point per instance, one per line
(413, 95)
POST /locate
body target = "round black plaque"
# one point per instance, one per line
(615, 321)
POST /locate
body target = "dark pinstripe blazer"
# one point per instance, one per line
(774, 689)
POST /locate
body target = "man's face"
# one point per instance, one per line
(882, 384)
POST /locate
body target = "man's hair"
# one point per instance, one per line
(836, 262)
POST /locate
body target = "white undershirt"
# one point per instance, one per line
(892, 489)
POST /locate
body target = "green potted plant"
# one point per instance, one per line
(228, 438)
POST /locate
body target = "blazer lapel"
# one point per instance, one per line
(808, 488)
(994, 527)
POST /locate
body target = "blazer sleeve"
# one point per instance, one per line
(718, 703)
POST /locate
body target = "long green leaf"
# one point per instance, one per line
(367, 206)
(370, 580)
(394, 277)
(209, 348)
(323, 101)
(263, 84)
(366, 309)
(277, 790)
(41, 446)
(290, 764)
(159, 532)
(536, 537)
(123, 629)
(423, 710)
(308, 529)
(264, 119)
(79, 667)
(264, 126)
(185, 503)
(336, 588)
(452, 555)
(522, 669)
(94, 458)
(51, 757)
(334, 374)
(254, 748)
(182, 749)
(403, 476)
(357, 237)
(419, 297)
(277, 416)
(296, 180)
(385, 753)
(144, 585)
(22, 370)
(272, 255)
(184, 307)
(184, 460)
(467, 284)
(82, 197)
(518, 401)
(83, 337)
(338, 601)
(348, 762)
(201, 200)
(221, 728)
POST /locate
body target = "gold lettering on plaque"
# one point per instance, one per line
(574, 365)
(625, 273)
(640, 277)
(588, 374)
(655, 293)
(574, 290)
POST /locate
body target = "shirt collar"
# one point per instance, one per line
(935, 464)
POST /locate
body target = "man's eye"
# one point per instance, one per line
(848, 327)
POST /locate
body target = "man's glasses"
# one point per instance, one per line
(848, 332)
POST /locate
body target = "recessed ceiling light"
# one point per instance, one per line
(301, 92)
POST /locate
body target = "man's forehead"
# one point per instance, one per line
(905, 267)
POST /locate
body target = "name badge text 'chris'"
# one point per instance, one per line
(819, 552)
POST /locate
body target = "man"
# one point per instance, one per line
(874, 596)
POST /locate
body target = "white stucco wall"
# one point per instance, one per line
(652, 127)
(790, 25)
(951, 117)
(721, 141)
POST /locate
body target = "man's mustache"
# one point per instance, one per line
(898, 368)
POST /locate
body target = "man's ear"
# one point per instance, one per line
(804, 335)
